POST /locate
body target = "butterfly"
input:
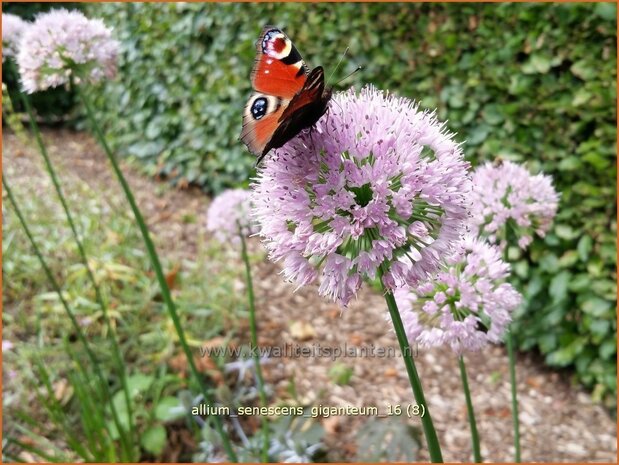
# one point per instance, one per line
(288, 96)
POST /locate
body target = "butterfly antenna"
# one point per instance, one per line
(358, 68)
(338, 64)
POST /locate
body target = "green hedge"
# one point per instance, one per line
(527, 82)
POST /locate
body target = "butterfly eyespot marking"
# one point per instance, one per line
(259, 108)
(276, 44)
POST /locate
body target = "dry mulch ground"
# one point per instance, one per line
(559, 422)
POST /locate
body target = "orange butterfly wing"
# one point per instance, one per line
(256, 133)
(287, 98)
(279, 69)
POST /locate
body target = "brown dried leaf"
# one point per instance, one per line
(302, 331)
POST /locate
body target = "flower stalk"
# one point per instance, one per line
(254, 346)
(432, 442)
(509, 342)
(154, 258)
(512, 380)
(470, 412)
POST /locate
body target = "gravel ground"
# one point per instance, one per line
(559, 422)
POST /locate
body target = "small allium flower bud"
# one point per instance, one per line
(466, 304)
(60, 44)
(377, 183)
(12, 29)
(508, 196)
(229, 215)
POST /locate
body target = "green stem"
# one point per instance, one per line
(254, 347)
(118, 359)
(426, 420)
(512, 379)
(91, 356)
(470, 411)
(154, 258)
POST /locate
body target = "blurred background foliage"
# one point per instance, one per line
(532, 83)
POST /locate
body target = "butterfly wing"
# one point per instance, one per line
(311, 98)
(279, 69)
(260, 121)
(287, 98)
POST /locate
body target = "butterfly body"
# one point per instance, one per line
(288, 97)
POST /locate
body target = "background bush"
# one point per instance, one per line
(532, 83)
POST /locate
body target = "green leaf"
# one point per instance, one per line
(565, 232)
(583, 69)
(547, 342)
(537, 64)
(599, 328)
(597, 160)
(567, 354)
(608, 349)
(596, 307)
(570, 164)
(492, 114)
(139, 383)
(559, 285)
(585, 244)
(607, 11)
(167, 409)
(568, 259)
(154, 439)
(581, 97)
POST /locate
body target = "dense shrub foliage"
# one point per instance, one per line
(532, 83)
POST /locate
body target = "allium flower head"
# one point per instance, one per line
(12, 29)
(60, 44)
(508, 195)
(376, 183)
(228, 212)
(466, 304)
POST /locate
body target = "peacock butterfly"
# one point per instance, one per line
(288, 96)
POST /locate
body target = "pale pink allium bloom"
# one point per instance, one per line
(508, 195)
(466, 304)
(12, 29)
(7, 345)
(230, 215)
(377, 186)
(61, 44)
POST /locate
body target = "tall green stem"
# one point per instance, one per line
(118, 359)
(512, 379)
(426, 420)
(470, 411)
(125, 446)
(154, 258)
(254, 347)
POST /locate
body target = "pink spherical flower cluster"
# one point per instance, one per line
(466, 304)
(508, 196)
(13, 28)
(61, 44)
(376, 186)
(230, 215)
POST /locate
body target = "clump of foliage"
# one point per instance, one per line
(40, 335)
